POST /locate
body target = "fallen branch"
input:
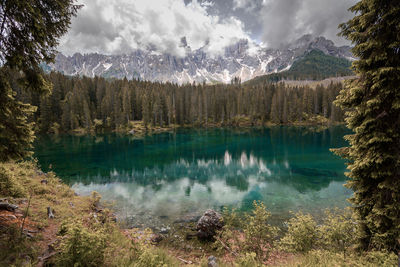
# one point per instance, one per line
(8, 206)
(26, 213)
(226, 247)
(48, 256)
(184, 261)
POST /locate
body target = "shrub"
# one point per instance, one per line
(229, 232)
(259, 235)
(301, 235)
(231, 218)
(248, 260)
(316, 258)
(9, 184)
(339, 230)
(155, 258)
(95, 198)
(81, 246)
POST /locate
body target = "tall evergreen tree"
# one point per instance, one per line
(29, 33)
(373, 101)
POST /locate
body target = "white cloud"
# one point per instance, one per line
(120, 26)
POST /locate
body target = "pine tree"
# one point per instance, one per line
(16, 134)
(29, 33)
(374, 103)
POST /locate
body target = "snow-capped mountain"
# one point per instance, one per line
(242, 60)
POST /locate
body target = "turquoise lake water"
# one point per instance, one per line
(160, 178)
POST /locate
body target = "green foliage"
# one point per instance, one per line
(81, 246)
(13, 245)
(259, 235)
(95, 198)
(22, 48)
(250, 233)
(317, 258)
(155, 258)
(373, 104)
(9, 184)
(301, 235)
(98, 105)
(339, 230)
(16, 133)
(232, 218)
(40, 25)
(248, 260)
(314, 65)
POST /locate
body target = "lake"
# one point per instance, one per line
(161, 178)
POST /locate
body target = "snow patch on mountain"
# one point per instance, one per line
(243, 60)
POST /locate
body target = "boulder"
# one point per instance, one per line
(209, 224)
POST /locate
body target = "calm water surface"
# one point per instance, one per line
(161, 178)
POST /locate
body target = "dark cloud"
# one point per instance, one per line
(286, 20)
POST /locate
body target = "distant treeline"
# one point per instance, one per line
(98, 104)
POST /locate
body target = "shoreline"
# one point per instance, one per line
(139, 130)
(84, 222)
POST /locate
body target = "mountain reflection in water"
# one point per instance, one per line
(165, 176)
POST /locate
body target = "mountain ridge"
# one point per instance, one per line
(243, 60)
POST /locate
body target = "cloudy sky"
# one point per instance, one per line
(120, 26)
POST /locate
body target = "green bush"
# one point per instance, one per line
(248, 260)
(10, 186)
(80, 245)
(301, 235)
(155, 258)
(259, 235)
(339, 230)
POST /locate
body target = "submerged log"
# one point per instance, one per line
(8, 206)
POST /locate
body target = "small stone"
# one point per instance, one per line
(212, 261)
(189, 247)
(164, 230)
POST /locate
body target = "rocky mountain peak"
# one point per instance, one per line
(196, 66)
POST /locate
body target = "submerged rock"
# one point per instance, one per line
(209, 224)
